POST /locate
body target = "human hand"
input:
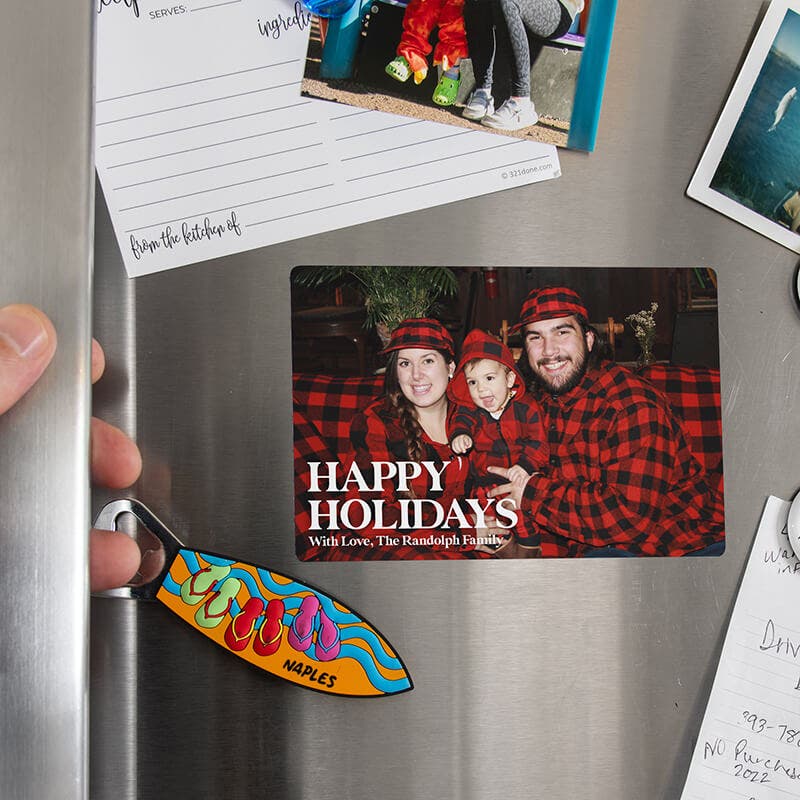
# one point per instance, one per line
(508, 547)
(461, 443)
(492, 531)
(518, 476)
(511, 548)
(514, 490)
(27, 345)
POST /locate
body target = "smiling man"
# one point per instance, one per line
(621, 478)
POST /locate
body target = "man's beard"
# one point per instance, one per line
(561, 383)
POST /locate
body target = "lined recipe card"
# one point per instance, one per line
(205, 147)
(749, 743)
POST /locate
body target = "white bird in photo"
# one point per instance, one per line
(783, 106)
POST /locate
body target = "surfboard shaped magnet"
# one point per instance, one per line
(275, 622)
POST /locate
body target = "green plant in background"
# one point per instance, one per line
(644, 328)
(391, 294)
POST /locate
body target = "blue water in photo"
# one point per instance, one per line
(759, 168)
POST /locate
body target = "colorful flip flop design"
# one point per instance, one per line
(275, 622)
(302, 628)
(238, 633)
(268, 638)
(197, 586)
(219, 603)
(329, 641)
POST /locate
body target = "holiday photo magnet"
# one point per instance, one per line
(474, 412)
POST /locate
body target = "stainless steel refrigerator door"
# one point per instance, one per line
(46, 219)
(557, 680)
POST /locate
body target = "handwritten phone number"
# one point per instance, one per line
(523, 171)
(759, 724)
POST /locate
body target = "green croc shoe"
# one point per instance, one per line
(399, 69)
(446, 91)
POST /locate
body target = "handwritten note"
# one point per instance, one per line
(749, 743)
(205, 147)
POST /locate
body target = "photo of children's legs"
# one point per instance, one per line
(419, 21)
(468, 44)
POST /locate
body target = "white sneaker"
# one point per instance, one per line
(479, 105)
(513, 115)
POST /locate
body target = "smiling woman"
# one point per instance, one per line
(408, 424)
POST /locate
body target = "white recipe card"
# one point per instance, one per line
(205, 147)
(749, 743)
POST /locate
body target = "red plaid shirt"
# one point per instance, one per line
(376, 435)
(621, 473)
(517, 436)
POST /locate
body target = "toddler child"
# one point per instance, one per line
(494, 418)
(419, 20)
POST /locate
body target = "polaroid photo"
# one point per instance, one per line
(749, 170)
(473, 413)
(536, 73)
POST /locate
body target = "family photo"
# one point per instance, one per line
(512, 67)
(466, 413)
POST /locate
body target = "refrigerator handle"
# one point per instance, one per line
(46, 219)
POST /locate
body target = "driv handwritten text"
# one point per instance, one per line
(782, 645)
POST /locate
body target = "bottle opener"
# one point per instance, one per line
(276, 622)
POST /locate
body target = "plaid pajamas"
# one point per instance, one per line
(621, 473)
(517, 437)
(324, 408)
(419, 20)
(376, 435)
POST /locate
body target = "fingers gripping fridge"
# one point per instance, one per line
(555, 678)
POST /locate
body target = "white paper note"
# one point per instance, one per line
(204, 146)
(749, 743)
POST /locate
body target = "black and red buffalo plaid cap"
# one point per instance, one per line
(552, 302)
(421, 334)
